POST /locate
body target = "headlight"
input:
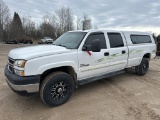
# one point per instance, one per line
(20, 63)
(19, 72)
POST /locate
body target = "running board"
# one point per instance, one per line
(95, 78)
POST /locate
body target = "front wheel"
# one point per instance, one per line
(143, 67)
(56, 88)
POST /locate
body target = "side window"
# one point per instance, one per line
(94, 36)
(115, 40)
(137, 39)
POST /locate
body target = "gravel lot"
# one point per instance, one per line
(123, 97)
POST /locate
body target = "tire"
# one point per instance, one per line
(31, 42)
(56, 89)
(143, 67)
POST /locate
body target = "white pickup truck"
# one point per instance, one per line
(76, 58)
(47, 40)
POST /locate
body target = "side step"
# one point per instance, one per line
(95, 78)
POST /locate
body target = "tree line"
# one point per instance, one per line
(52, 25)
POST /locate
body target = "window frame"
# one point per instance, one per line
(95, 33)
(110, 42)
(140, 35)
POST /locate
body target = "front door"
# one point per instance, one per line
(93, 63)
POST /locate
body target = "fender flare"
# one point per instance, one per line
(46, 67)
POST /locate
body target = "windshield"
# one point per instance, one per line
(70, 40)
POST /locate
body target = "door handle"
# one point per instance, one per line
(123, 52)
(106, 54)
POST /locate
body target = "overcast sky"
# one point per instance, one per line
(142, 15)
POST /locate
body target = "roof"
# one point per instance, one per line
(97, 30)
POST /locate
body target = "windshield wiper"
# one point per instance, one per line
(60, 45)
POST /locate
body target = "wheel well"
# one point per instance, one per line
(66, 69)
(148, 55)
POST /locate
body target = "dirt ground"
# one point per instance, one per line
(122, 97)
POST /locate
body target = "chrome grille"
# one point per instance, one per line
(11, 61)
(10, 68)
(10, 65)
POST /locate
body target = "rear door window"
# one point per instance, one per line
(115, 40)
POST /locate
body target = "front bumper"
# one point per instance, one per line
(22, 85)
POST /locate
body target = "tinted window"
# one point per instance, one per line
(115, 40)
(94, 36)
(136, 39)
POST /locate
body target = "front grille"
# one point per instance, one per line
(10, 65)
(11, 61)
(10, 68)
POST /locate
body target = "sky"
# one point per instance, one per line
(138, 15)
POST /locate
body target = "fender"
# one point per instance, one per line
(43, 68)
(145, 52)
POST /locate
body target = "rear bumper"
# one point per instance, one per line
(26, 85)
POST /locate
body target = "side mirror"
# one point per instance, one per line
(84, 48)
(96, 45)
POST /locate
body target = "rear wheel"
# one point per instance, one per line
(15, 42)
(56, 88)
(143, 67)
(31, 42)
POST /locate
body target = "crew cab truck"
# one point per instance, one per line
(76, 58)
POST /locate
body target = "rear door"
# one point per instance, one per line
(118, 51)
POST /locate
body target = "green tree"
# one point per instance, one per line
(16, 27)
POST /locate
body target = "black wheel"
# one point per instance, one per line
(143, 67)
(15, 42)
(56, 88)
(31, 42)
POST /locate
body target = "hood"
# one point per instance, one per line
(36, 51)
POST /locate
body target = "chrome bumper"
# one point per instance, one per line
(30, 88)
